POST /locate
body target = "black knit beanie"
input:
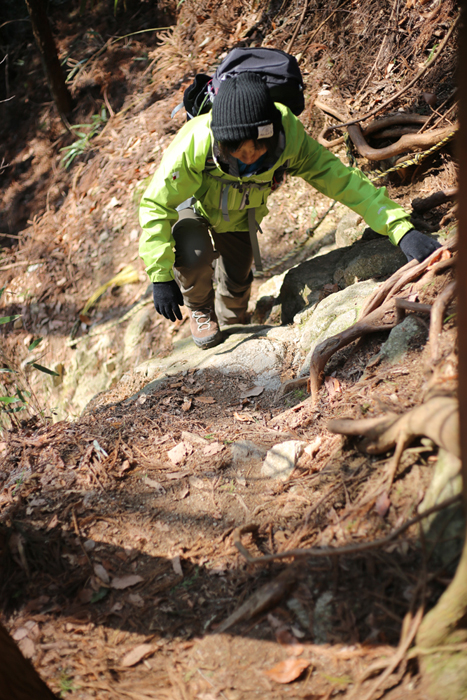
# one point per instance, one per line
(243, 109)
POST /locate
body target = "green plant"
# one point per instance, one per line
(66, 684)
(78, 147)
(19, 395)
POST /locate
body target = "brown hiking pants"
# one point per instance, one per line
(198, 264)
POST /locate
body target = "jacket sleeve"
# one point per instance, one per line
(350, 186)
(179, 176)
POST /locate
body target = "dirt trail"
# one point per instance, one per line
(117, 527)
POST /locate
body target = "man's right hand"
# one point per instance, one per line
(167, 299)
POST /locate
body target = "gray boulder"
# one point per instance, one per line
(372, 256)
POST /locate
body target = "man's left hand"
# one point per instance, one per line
(417, 246)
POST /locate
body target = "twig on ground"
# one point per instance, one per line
(334, 551)
(320, 26)
(409, 630)
(433, 115)
(18, 264)
(299, 24)
(420, 73)
(388, 28)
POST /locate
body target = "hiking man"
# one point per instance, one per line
(214, 180)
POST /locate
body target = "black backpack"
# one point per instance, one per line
(278, 69)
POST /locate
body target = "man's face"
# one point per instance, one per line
(248, 153)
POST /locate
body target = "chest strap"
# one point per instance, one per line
(244, 188)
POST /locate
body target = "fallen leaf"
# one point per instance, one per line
(133, 657)
(176, 564)
(53, 523)
(125, 466)
(314, 446)
(85, 595)
(196, 482)
(136, 599)
(332, 385)
(186, 405)
(213, 448)
(288, 670)
(183, 493)
(206, 399)
(101, 573)
(28, 647)
(254, 391)
(243, 418)
(154, 484)
(442, 255)
(193, 438)
(176, 475)
(20, 633)
(382, 504)
(294, 649)
(122, 582)
(180, 452)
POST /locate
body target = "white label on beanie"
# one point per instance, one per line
(266, 131)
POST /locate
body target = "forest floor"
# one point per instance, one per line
(119, 564)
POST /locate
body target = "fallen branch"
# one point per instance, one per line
(434, 200)
(265, 598)
(336, 551)
(299, 24)
(19, 263)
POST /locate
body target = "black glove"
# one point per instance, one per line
(416, 245)
(167, 299)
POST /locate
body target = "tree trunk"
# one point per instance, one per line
(48, 51)
(446, 671)
(18, 678)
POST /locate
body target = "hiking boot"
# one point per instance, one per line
(242, 320)
(205, 328)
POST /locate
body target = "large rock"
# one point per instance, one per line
(332, 315)
(349, 229)
(371, 257)
(412, 331)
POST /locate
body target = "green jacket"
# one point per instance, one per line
(182, 174)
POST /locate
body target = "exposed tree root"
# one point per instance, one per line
(324, 351)
(437, 419)
(434, 200)
(374, 310)
(320, 552)
(406, 143)
(388, 127)
(437, 318)
(409, 630)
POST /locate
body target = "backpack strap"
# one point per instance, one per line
(245, 188)
(252, 230)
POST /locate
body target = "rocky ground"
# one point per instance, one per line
(131, 476)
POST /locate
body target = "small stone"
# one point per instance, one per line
(281, 460)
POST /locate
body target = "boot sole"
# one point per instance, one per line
(208, 342)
